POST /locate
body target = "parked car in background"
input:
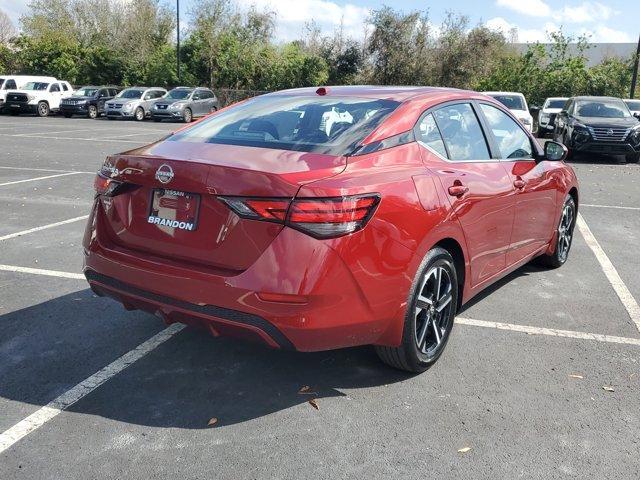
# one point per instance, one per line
(133, 102)
(87, 101)
(185, 104)
(547, 115)
(598, 125)
(634, 106)
(16, 82)
(38, 96)
(259, 223)
(515, 102)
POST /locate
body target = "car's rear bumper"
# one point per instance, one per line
(298, 294)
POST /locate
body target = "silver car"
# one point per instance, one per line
(185, 104)
(133, 102)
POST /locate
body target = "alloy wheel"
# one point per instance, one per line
(432, 312)
(565, 232)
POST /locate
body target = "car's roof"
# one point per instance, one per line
(503, 93)
(557, 98)
(399, 94)
(595, 97)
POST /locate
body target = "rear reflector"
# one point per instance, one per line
(318, 217)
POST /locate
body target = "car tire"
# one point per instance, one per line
(92, 112)
(187, 116)
(43, 109)
(429, 318)
(633, 158)
(563, 237)
(139, 114)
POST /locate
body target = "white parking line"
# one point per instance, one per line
(49, 132)
(98, 140)
(39, 271)
(552, 332)
(610, 271)
(38, 178)
(43, 227)
(609, 206)
(28, 169)
(64, 401)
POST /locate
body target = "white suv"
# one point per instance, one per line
(515, 102)
(40, 96)
(547, 117)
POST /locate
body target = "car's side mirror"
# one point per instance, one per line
(554, 151)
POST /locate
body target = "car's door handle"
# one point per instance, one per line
(458, 190)
(519, 183)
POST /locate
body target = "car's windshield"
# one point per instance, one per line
(556, 103)
(35, 86)
(612, 108)
(178, 94)
(85, 92)
(130, 93)
(308, 124)
(512, 102)
(632, 104)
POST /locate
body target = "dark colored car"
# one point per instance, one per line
(87, 101)
(316, 219)
(184, 104)
(598, 125)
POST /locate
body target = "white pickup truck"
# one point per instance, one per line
(40, 96)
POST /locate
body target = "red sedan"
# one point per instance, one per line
(324, 218)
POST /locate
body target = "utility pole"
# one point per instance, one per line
(178, 41)
(634, 77)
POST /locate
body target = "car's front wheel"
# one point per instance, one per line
(428, 322)
(187, 116)
(92, 112)
(139, 115)
(43, 109)
(564, 236)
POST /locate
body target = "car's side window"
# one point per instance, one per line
(429, 134)
(10, 84)
(461, 132)
(512, 141)
(64, 87)
(54, 87)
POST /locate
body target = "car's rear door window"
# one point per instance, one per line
(429, 135)
(461, 132)
(512, 141)
(331, 125)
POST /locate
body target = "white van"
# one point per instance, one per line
(16, 82)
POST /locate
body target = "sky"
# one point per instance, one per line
(604, 21)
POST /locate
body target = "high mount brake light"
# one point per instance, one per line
(318, 217)
(105, 185)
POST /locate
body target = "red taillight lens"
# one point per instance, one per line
(105, 185)
(318, 217)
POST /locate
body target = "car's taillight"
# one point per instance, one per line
(318, 217)
(105, 185)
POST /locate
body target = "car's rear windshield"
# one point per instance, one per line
(556, 103)
(632, 104)
(85, 92)
(602, 108)
(35, 86)
(512, 102)
(307, 124)
(130, 93)
(178, 94)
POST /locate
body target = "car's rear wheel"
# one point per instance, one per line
(92, 112)
(139, 115)
(43, 109)
(564, 236)
(187, 116)
(430, 312)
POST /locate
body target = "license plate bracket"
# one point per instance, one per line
(174, 209)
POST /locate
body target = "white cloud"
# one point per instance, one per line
(586, 12)
(604, 34)
(524, 35)
(533, 8)
(328, 15)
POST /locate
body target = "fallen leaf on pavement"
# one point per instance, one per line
(212, 422)
(306, 390)
(313, 403)
(464, 450)
(608, 389)
(576, 376)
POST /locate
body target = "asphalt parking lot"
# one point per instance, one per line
(541, 378)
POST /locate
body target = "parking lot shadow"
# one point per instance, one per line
(52, 346)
